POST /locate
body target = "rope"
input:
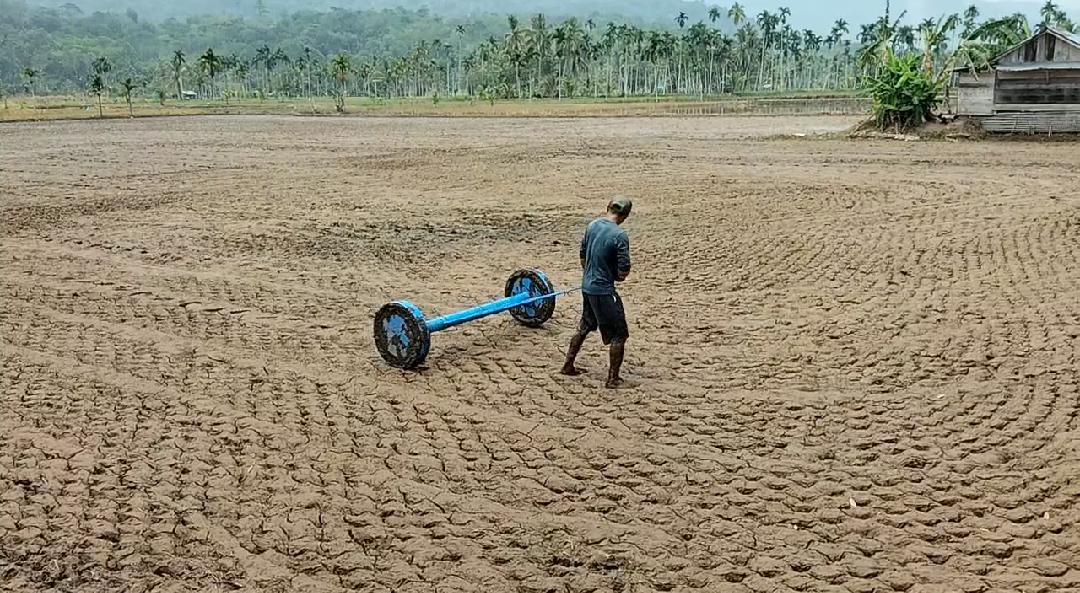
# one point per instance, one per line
(549, 296)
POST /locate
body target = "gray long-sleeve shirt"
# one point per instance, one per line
(605, 249)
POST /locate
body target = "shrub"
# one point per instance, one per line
(904, 94)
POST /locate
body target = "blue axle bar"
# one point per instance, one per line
(492, 308)
(473, 313)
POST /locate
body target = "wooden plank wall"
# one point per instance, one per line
(1037, 87)
(975, 97)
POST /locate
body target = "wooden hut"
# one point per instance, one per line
(1032, 87)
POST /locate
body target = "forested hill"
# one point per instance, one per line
(61, 44)
(812, 14)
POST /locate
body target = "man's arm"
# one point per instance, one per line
(581, 253)
(623, 250)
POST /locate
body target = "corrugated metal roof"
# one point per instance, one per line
(1070, 38)
(1040, 66)
(1033, 123)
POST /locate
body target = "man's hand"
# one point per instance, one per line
(623, 275)
(583, 263)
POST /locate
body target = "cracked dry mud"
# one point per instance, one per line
(854, 365)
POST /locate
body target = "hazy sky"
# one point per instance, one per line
(929, 6)
(813, 13)
(1069, 4)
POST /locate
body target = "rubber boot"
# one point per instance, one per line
(571, 355)
(615, 360)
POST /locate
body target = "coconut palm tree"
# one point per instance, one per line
(571, 44)
(515, 47)
(971, 17)
(767, 22)
(460, 30)
(747, 38)
(866, 33)
(1054, 16)
(341, 67)
(695, 46)
(904, 39)
(280, 58)
(840, 28)
(1051, 13)
(714, 14)
(242, 69)
(783, 13)
(211, 64)
(263, 56)
(177, 62)
(97, 88)
(102, 66)
(540, 38)
(737, 14)
(29, 76)
(129, 85)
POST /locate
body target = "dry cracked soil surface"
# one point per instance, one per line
(853, 365)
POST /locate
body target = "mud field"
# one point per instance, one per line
(853, 365)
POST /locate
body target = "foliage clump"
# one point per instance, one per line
(904, 93)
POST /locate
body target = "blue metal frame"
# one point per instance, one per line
(399, 331)
(474, 313)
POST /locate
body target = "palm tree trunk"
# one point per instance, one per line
(539, 71)
(560, 79)
(761, 65)
(780, 60)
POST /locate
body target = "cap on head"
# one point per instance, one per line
(620, 206)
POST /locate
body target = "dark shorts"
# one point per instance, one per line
(604, 312)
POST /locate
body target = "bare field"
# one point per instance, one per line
(853, 365)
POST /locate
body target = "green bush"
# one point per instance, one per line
(904, 94)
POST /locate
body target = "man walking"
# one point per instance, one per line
(605, 259)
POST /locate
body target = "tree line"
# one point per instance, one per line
(400, 53)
